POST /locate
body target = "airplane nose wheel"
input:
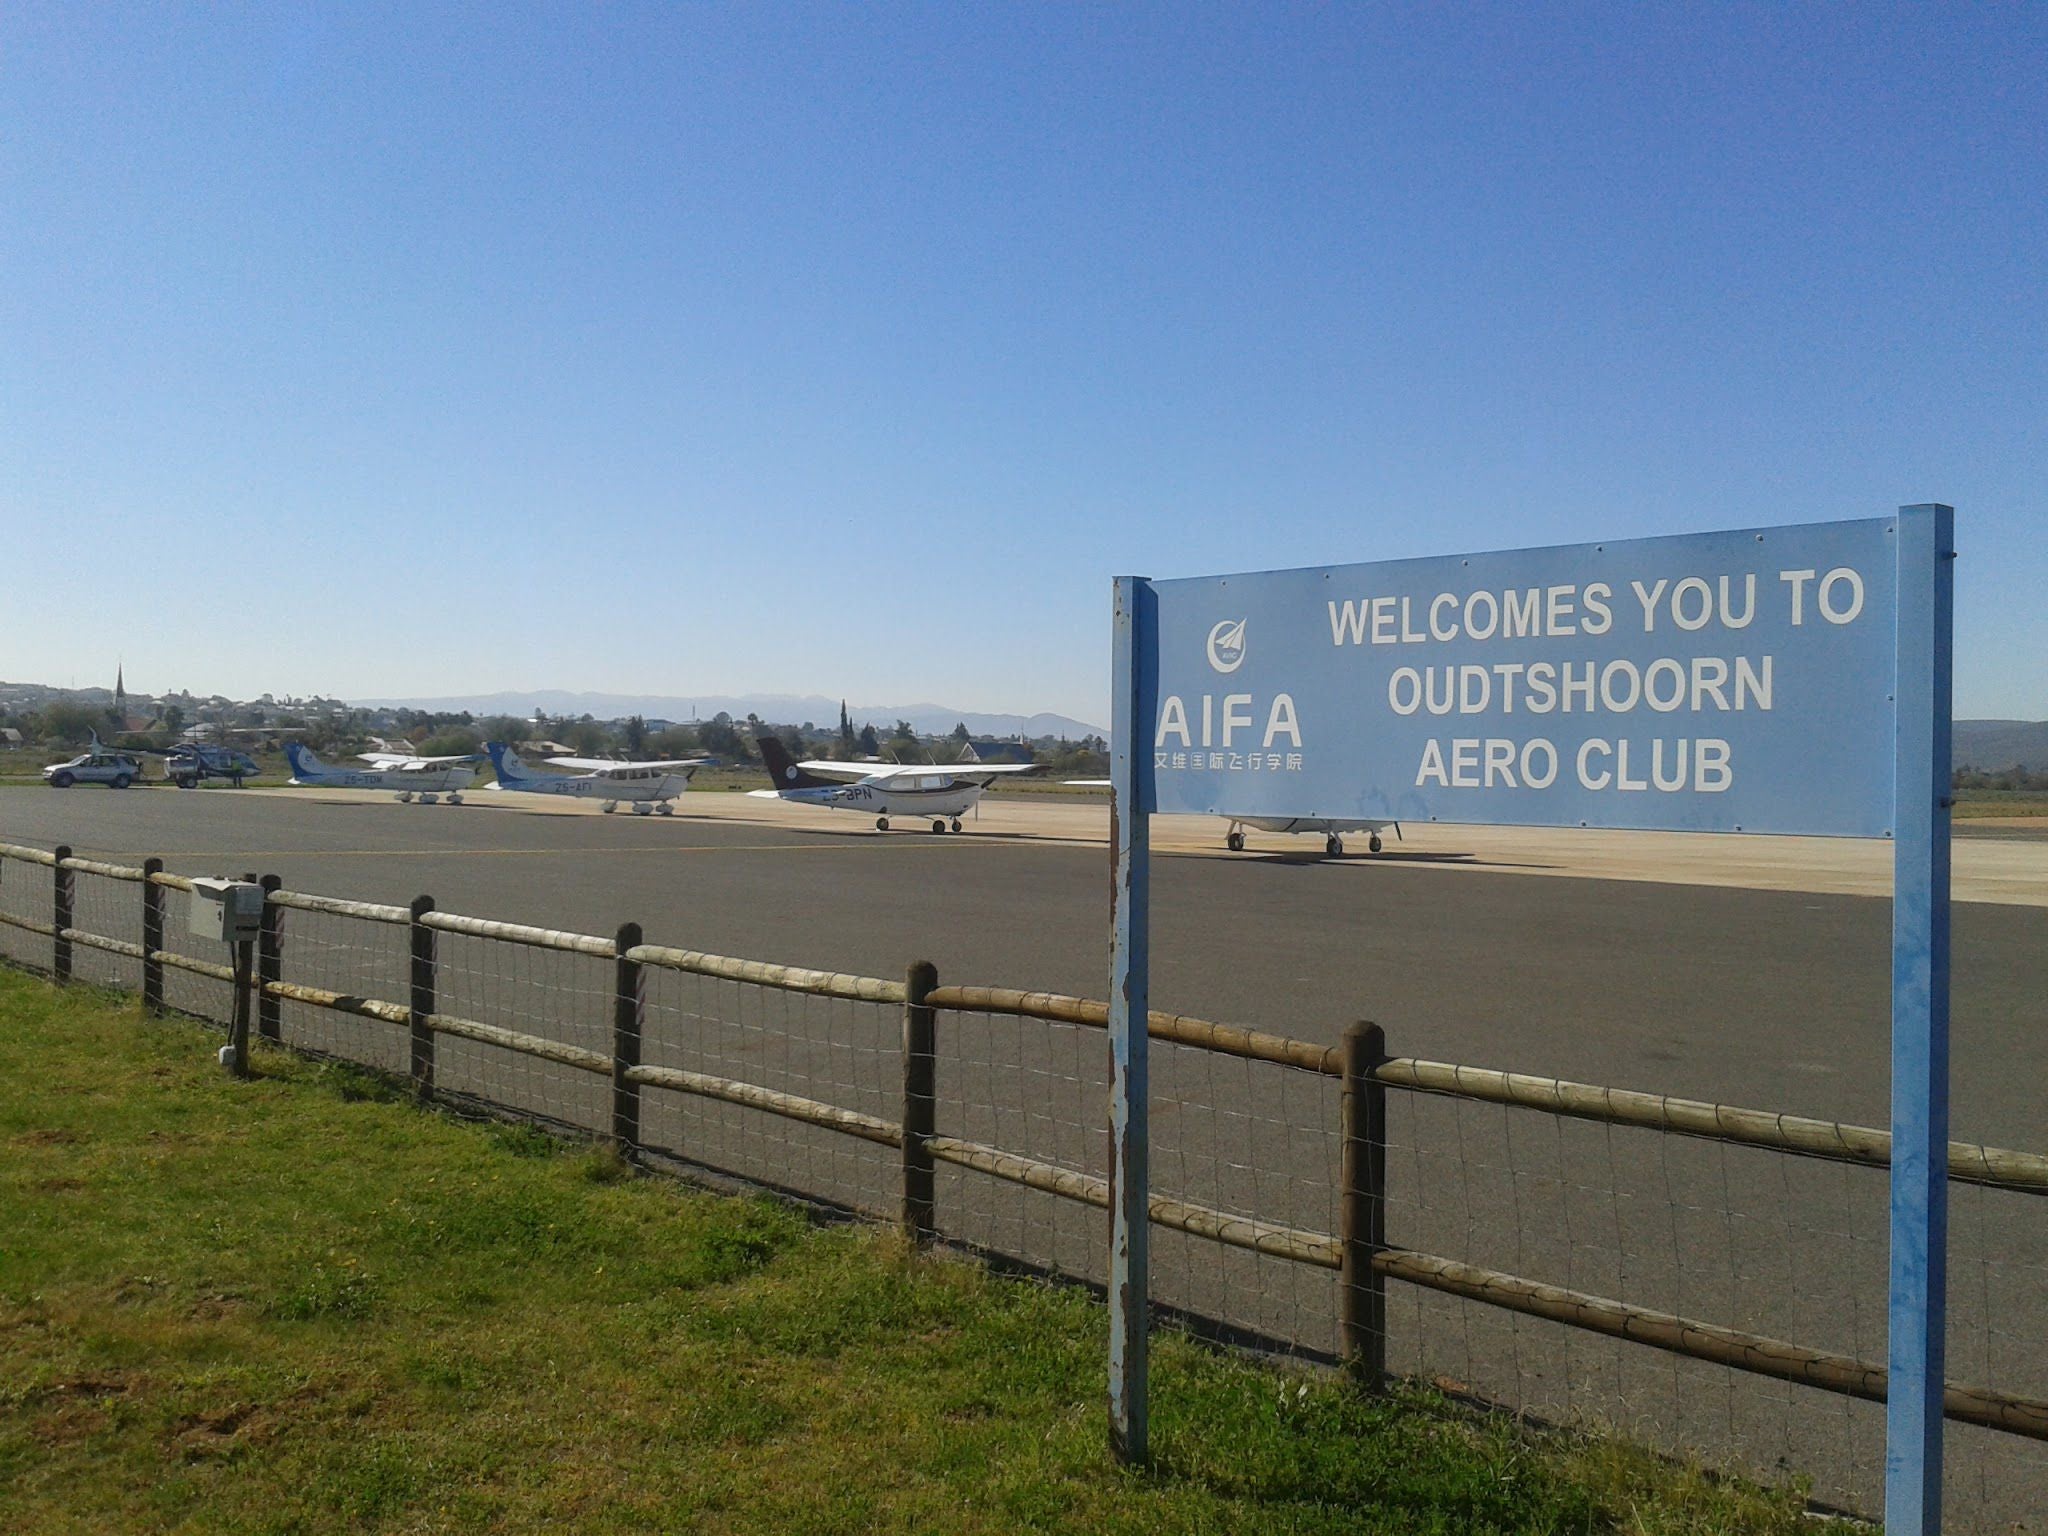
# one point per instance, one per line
(1375, 845)
(956, 823)
(1234, 841)
(881, 823)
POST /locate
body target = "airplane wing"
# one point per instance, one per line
(969, 773)
(850, 773)
(604, 767)
(404, 764)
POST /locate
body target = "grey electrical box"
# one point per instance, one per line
(229, 911)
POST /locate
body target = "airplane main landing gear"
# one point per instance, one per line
(1375, 845)
(1333, 846)
(428, 799)
(939, 826)
(455, 799)
(609, 806)
(664, 809)
(956, 823)
(881, 823)
(641, 808)
(1234, 841)
(405, 797)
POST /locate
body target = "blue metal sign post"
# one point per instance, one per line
(1130, 1009)
(1787, 680)
(1920, 935)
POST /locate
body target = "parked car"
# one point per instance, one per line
(113, 769)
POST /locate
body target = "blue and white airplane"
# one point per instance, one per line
(940, 792)
(647, 787)
(423, 778)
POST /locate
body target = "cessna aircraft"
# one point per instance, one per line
(428, 778)
(647, 787)
(1331, 828)
(941, 792)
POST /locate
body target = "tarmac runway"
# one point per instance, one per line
(1750, 971)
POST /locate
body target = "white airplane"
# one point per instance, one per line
(647, 787)
(941, 793)
(424, 778)
(1331, 829)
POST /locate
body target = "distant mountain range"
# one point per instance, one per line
(775, 708)
(1993, 744)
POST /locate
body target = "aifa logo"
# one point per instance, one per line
(1226, 645)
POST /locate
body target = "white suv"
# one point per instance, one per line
(101, 767)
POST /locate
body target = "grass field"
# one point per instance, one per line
(1974, 804)
(301, 1304)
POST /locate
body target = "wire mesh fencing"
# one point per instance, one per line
(27, 895)
(1593, 1256)
(1037, 1089)
(712, 1028)
(106, 924)
(522, 985)
(325, 951)
(1753, 1240)
(1998, 1337)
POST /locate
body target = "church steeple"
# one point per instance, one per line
(120, 691)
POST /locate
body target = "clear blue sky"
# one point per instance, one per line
(852, 349)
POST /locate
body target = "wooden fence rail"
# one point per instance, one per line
(1359, 1252)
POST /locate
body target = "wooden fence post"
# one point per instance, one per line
(270, 965)
(152, 936)
(920, 1108)
(1362, 1232)
(629, 1007)
(244, 955)
(61, 894)
(422, 999)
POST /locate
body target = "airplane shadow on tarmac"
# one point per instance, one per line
(1390, 856)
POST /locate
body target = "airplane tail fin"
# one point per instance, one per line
(783, 773)
(304, 764)
(505, 762)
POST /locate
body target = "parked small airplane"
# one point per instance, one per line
(191, 763)
(940, 792)
(424, 778)
(1331, 829)
(647, 787)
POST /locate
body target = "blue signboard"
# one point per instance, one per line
(1735, 681)
(1791, 680)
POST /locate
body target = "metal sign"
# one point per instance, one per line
(1711, 682)
(1785, 680)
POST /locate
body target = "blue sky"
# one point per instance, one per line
(852, 350)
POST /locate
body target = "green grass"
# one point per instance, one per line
(1972, 804)
(301, 1304)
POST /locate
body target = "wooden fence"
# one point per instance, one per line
(1359, 1251)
